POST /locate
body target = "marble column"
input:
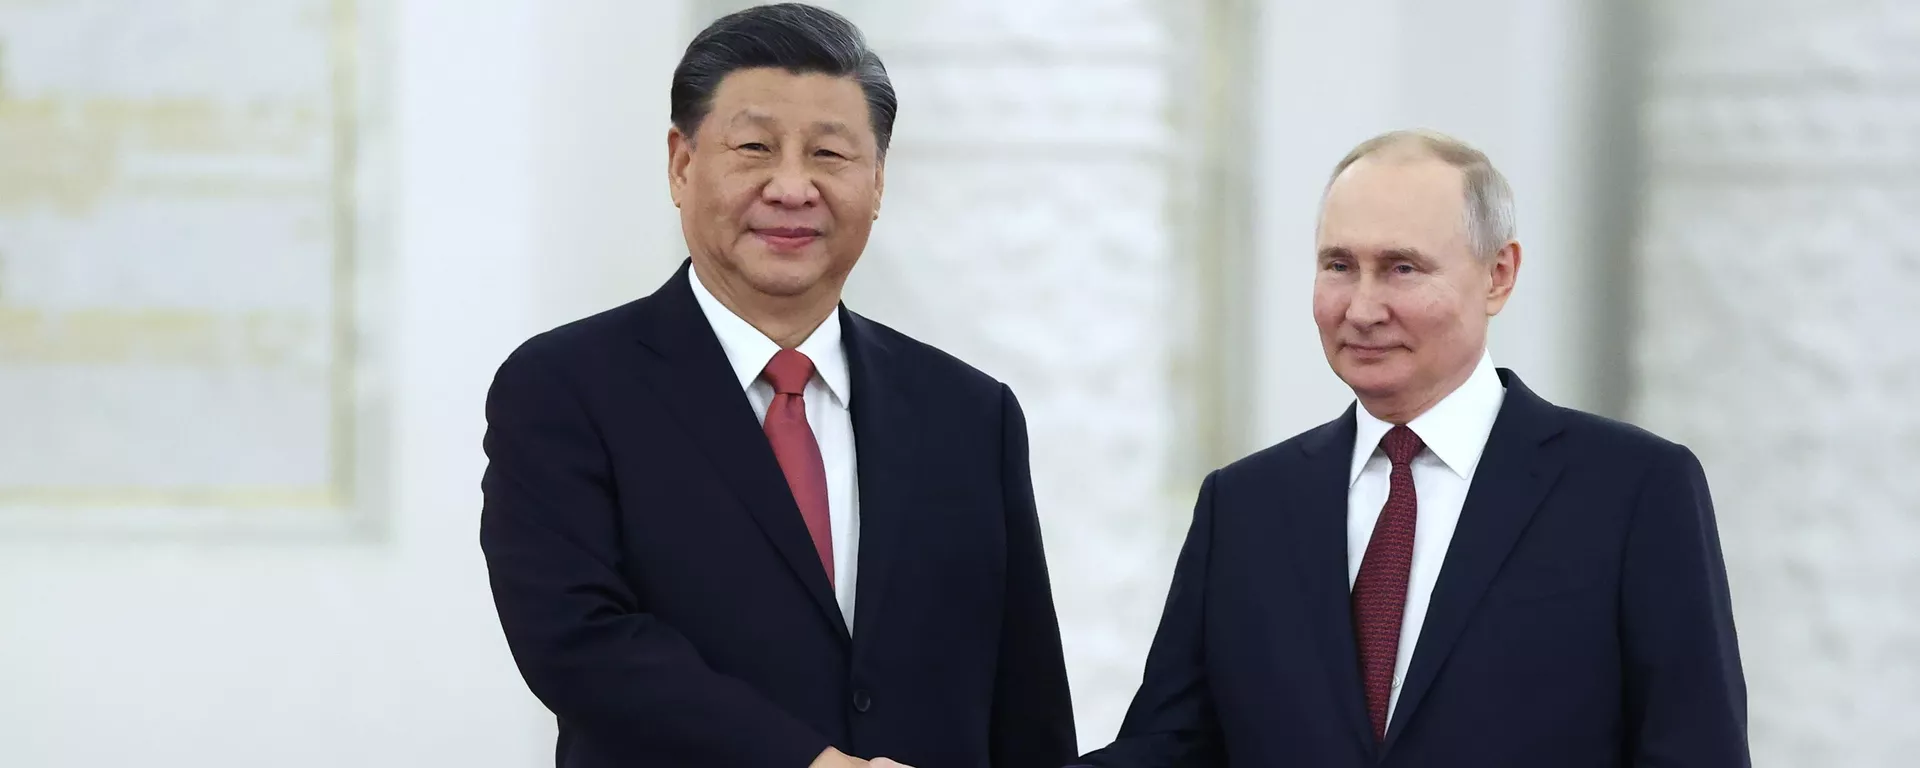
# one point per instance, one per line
(1778, 275)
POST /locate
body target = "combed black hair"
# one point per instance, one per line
(796, 37)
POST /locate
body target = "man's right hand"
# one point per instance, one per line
(834, 758)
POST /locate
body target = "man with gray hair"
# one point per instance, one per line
(1454, 572)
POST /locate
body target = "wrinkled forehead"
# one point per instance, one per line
(1395, 202)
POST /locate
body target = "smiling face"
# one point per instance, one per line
(780, 187)
(1401, 299)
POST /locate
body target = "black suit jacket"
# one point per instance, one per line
(660, 593)
(1581, 617)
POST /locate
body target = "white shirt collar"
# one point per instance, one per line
(748, 350)
(1454, 429)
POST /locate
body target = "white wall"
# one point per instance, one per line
(1780, 293)
(291, 652)
(605, 223)
(1028, 230)
(1517, 78)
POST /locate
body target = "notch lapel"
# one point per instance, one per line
(1320, 549)
(1514, 475)
(885, 437)
(692, 373)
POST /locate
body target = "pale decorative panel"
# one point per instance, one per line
(1779, 283)
(176, 247)
(1030, 228)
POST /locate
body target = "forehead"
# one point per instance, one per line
(778, 98)
(1385, 202)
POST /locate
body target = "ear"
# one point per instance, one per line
(879, 186)
(679, 156)
(1504, 271)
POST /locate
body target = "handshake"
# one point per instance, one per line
(834, 758)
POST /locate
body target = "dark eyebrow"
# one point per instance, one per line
(833, 128)
(754, 118)
(1335, 252)
(763, 120)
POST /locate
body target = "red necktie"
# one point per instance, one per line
(795, 448)
(1380, 591)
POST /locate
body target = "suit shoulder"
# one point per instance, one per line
(1268, 462)
(1612, 437)
(583, 338)
(567, 354)
(932, 363)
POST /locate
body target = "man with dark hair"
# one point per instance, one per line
(735, 524)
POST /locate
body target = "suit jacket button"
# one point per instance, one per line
(861, 701)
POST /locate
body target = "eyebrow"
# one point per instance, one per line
(1406, 254)
(1330, 253)
(767, 121)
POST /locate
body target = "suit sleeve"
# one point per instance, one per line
(633, 686)
(1171, 721)
(1032, 708)
(1686, 696)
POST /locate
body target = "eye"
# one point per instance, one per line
(1403, 269)
(1336, 266)
(829, 153)
(754, 146)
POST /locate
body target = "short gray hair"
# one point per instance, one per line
(1489, 200)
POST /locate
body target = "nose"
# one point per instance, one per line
(791, 185)
(1367, 307)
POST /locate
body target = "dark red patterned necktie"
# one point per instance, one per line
(1380, 591)
(796, 449)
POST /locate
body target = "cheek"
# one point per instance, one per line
(1329, 305)
(851, 230)
(737, 195)
(1429, 314)
(851, 203)
(728, 196)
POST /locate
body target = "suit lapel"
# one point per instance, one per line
(1320, 548)
(885, 431)
(692, 373)
(1513, 478)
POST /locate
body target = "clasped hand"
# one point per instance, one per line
(834, 758)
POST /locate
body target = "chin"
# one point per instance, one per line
(784, 275)
(1372, 379)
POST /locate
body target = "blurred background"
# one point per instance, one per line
(260, 258)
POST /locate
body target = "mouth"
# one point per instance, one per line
(1369, 352)
(787, 239)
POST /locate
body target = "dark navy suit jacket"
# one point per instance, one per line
(661, 596)
(1581, 617)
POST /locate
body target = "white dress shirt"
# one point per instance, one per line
(827, 396)
(1455, 433)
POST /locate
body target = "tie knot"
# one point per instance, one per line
(788, 372)
(1401, 445)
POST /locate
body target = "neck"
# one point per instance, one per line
(787, 328)
(787, 320)
(1402, 410)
